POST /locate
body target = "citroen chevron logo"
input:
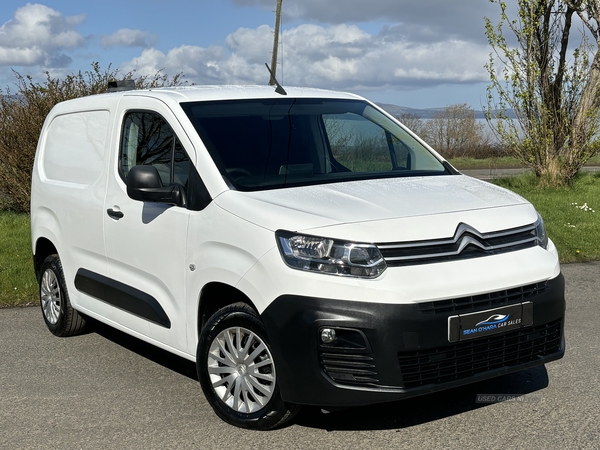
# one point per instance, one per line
(452, 247)
(465, 241)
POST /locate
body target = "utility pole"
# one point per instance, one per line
(275, 43)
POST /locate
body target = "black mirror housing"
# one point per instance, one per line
(144, 184)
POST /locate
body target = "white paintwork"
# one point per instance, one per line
(232, 241)
(304, 208)
(75, 148)
(70, 214)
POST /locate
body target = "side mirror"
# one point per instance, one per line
(144, 184)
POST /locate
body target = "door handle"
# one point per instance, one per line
(114, 214)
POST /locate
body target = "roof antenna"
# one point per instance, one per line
(278, 89)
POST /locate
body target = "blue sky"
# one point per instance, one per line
(416, 53)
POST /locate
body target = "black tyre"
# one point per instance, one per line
(61, 319)
(237, 371)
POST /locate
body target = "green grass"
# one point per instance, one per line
(17, 279)
(574, 231)
(503, 162)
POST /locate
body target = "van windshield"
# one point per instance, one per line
(274, 143)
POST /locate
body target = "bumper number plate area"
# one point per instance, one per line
(463, 327)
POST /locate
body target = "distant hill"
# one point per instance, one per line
(427, 113)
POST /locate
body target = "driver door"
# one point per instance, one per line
(146, 242)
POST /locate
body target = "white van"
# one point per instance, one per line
(302, 247)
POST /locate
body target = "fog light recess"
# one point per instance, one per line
(327, 335)
(344, 339)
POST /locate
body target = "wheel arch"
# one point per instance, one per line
(43, 248)
(215, 296)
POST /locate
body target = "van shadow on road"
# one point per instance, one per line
(161, 357)
(385, 416)
(428, 408)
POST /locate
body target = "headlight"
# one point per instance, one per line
(330, 256)
(540, 231)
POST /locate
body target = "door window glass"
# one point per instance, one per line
(148, 139)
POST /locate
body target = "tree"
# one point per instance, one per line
(23, 112)
(551, 86)
(454, 131)
(412, 121)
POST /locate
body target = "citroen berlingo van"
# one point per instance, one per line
(301, 246)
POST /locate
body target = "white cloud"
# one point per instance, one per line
(203, 65)
(459, 19)
(129, 38)
(38, 35)
(338, 56)
(252, 45)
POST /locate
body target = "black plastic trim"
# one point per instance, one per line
(489, 300)
(198, 196)
(309, 375)
(121, 85)
(450, 168)
(122, 296)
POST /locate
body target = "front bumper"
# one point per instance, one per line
(407, 351)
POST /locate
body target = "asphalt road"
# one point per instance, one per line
(105, 390)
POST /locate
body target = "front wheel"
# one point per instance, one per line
(237, 372)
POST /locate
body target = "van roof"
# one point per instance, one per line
(180, 94)
(233, 92)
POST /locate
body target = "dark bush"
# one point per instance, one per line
(22, 114)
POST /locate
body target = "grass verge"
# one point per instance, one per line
(18, 286)
(574, 228)
(571, 214)
(504, 162)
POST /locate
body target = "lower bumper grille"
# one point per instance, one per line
(464, 359)
(483, 301)
(349, 369)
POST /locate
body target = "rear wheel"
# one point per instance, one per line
(61, 319)
(237, 371)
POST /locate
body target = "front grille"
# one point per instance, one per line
(348, 368)
(464, 359)
(484, 301)
(466, 243)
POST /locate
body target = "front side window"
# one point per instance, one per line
(363, 146)
(267, 144)
(147, 139)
